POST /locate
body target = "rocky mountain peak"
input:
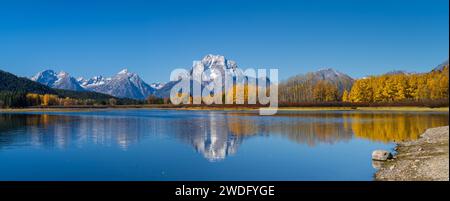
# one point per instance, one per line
(123, 72)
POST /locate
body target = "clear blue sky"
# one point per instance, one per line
(153, 37)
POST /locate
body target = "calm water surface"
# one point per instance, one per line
(201, 145)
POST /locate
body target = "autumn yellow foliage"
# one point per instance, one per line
(400, 87)
(324, 91)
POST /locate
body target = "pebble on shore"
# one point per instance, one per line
(381, 155)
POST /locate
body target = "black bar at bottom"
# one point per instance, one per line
(224, 190)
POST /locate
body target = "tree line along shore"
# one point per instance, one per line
(221, 107)
(422, 89)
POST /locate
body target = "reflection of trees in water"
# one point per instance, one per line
(311, 133)
(305, 128)
(330, 127)
(64, 131)
(215, 135)
(9, 123)
(242, 127)
(387, 127)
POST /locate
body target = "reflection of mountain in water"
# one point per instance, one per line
(215, 135)
(209, 136)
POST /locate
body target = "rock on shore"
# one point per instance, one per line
(425, 159)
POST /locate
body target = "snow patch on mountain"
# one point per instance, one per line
(157, 85)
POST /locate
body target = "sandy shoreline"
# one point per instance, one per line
(425, 159)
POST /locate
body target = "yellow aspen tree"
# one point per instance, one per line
(345, 96)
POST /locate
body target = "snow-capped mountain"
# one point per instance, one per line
(213, 66)
(210, 65)
(124, 85)
(62, 80)
(47, 77)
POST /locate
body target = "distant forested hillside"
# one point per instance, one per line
(329, 86)
(325, 85)
(10, 82)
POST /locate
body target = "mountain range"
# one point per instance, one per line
(129, 85)
(123, 85)
(126, 84)
(12, 83)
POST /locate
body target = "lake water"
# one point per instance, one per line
(201, 145)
